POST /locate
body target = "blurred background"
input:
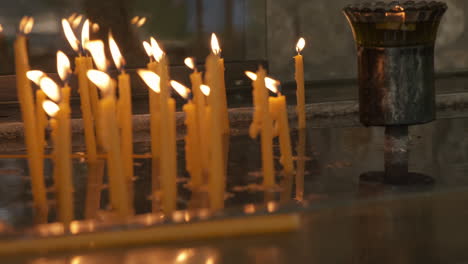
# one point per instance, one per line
(248, 30)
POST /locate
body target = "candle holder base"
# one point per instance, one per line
(410, 179)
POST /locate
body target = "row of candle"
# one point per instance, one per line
(107, 121)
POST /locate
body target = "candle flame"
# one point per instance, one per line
(1, 28)
(50, 108)
(190, 63)
(205, 89)
(272, 84)
(69, 35)
(95, 27)
(26, 24)
(96, 48)
(63, 66)
(85, 34)
(50, 88)
(156, 50)
(72, 17)
(251, 75)
(151, 79)
(148, 49)
(102, 80)
(76, 21)
(115, 52)
(180, 89)
(138, 21)
(35, 76)
(135, 19)
(215, 48)
(300, 45)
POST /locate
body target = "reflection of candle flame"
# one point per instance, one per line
(50, 108)
(96, 48)
(50, 88)
(400, 12)
(115, 52)
(69, 35)
(95, 27)
(189, 62)
(205, 89)
(102, 80)
(151, 79)
(63, 65)
(180, 89)
(1, 28)
(156, 49)
(300, 45)
(215, 45)
(26, 25)
(35, 76)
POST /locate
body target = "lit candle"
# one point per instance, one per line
(119, 193)
(216, 161)
(216, 50)
(168, 164)
(125, 110)
(199, 100)
(300, 164)
(154, 110)
(81, 67)
(263, 122)
(192, 139)
(64, 71)
(279, 112)
(41, 117)
(62, 149)
(25, 97)
(299, 76)
(152, 80)
(93, 90)
(166, 142)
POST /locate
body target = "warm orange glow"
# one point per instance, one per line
(252, 76)
(76, 21)
(26, 25)
(205, 89)
(102, 80)
(151, 79)
(72, 17)
(95, 27)
(35, 76)
(1, 28)
(85, 34)
(115, 52)
(63, 65)
(135, 20)
(70, 35)
(400, 12)
(148, 49)
(96, 48)
(300, 45)
(141, 22)
(180, 89)
(210, 260)
(50, 108)
(272, 84)
(157, 52)
(50, 88)
(190, 63)
(215, 48)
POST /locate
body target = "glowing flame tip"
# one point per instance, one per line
(190, 63)
(251, 75)
(300, 45)
(63, 65)
(115, 52)
(101, 79)
(205, 89)
(35, 76)
(50, 88)
(180, 89)
(215, 48)
(50, 108)
(69, 35)
(151, 79)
